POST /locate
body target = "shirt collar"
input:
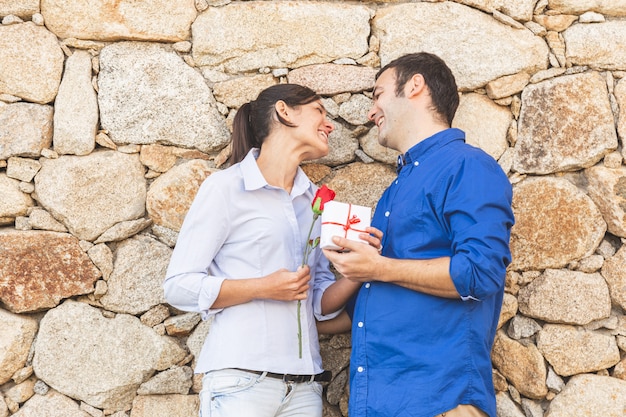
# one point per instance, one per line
(429, 145)
(253, 179)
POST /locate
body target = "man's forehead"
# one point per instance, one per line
(387, 77)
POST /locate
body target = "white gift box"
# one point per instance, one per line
(345, 220)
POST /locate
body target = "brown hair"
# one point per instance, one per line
(437, 76)
(253, 121)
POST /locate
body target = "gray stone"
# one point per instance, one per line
(89, 194)
(135, 284)
(568, 297)
(112, 367)
(25, 129)
(342, 144)
(76, 108)
(233, 36)
(437, 27)
(572, 351)
(147, 94)
(590, 395)
(556, 137)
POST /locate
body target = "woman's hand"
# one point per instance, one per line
(284, 285)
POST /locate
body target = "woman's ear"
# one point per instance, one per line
(283, 110)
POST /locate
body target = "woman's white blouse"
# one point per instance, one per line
(239, 227)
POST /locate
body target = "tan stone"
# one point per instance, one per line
(148, 94)
(555, 224)
(128, 364)
(41, 269)
(614, 271)
(14, 202)
(485, 123)
(507, 86)
(360, 183)
(509, 309)
(331, 79)
(522, 365)
(53, 404)
(607, 188)
(33, 76)
(157, 157)
(608, 7)
(157, 20)
(369, 144)
(25, 129)
(237, 91)
(165, 406)
(557, 23)
(171, 195)
(76, 108)
(587, 44)
(17, 333)
(89, 194)
(21, 8)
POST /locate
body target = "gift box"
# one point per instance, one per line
(345, 220)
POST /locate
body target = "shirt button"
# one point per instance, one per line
(360, 324)
(359, 369)
(367, 285)
(416, 163)
(387, 214)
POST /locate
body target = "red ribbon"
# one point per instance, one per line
(349, 222)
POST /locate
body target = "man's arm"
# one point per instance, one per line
(363, 263)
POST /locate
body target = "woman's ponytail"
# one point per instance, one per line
(243, 138)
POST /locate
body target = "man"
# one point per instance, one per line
(425, 319)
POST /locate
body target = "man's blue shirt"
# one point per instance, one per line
(419, 355)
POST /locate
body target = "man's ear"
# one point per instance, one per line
(415, 86)
(283, 110)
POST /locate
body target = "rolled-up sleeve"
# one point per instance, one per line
(324, 278)
(479, 214)
(188, 285)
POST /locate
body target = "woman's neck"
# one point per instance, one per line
(278, 165)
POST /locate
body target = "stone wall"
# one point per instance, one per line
(112, 114)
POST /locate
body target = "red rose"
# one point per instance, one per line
(322, 196)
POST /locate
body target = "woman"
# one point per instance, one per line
(238, 259)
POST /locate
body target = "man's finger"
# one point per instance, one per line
(345, 243)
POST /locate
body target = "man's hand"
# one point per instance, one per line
(362, 260)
